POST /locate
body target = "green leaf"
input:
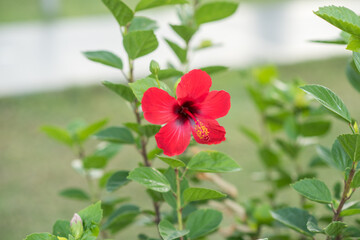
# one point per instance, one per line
(179, 51)
(350, 212)
(147, 4)
(353, 75)
(340, 158)
(294, 218)
(107, 150)
(212, 161)
(339, 41)
(150, 178)
(140, 43)
(214, 69)
(185, 32)
(122, 13)
(289, 148)
(167, 73)
(202, 222)
(104, 57)
(172, 162)
(313, 227)
(95, 162)
(341, 17)
(314, 190)
(117, 180)
(269, 157)
(140, 86)
(351, 145)
(142, 24)
(265, 74)
(354, 44)
(356, 58)
(58, 134)
(75, 126)
(91, 215)
(335, 228)
(150, 130)
(325, 155)
(262, 214)
(153, 153)
(214, 11)
(251, 134)
(41, 236)
(356, 180)
(75, 193)
(61, 228)
(104, 179)
(121, 217)
(169, 196)
(199, 194)
(120, 89)
(85, 133)
(169, 232)
(328, 99)
(116, 134)
(353, 232)
(314, 128)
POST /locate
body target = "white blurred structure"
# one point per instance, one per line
(39, 56)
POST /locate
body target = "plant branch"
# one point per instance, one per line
(346, 195)
(143, 141)
(178, 201)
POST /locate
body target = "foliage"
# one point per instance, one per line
(291, 123)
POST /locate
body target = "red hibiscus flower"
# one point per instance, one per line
(194, 111)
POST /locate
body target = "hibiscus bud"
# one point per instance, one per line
(76, 226)
(356, 128)
(154, 67)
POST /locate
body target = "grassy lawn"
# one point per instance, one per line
(33, 169)
(25, 10)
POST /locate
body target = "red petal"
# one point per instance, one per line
(194, 85)
(208, 131)
(158, 106)
(174, 137)
(215, 105)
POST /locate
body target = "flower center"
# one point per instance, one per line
(201, 131)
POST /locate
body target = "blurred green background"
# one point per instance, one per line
(34, 168)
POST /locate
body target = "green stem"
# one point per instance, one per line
(178, 201)
(82, 155)
(346, 195)
(157, 80)
(352, 128)
(187, 63)
(143, 140)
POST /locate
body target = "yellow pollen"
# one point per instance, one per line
(201, 131)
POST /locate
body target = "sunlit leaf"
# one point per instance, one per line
(329, 100)
(169, 232)
(150, 178)
(104, 57)
(140, 43)
(122, 13)
(214, 11)
(314, 190)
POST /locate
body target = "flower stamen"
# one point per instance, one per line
(201, 131)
